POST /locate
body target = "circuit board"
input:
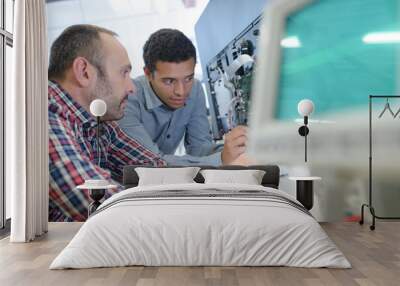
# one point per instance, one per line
(229, 79)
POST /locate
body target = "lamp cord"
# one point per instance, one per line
(305, 137)
(305, 144)
(98, 140)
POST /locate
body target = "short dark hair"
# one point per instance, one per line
(76, 41)
(167, 45)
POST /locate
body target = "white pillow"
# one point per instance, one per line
(163, 176)
(248, 177)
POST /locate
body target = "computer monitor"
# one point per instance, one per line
(337, 54)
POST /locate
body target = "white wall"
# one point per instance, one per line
(221, 22)
(133, 20)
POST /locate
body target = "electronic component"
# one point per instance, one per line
(229, 81)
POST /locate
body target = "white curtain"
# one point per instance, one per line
(27, 124)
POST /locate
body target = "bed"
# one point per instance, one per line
(201, 224)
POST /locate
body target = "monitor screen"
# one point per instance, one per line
(337, 53)
(308, 49)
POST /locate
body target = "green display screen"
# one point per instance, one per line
(337, 53)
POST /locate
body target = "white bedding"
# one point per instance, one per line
(182, 231)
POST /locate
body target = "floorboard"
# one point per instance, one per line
(374, 255)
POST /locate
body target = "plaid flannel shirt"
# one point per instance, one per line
(73, 155)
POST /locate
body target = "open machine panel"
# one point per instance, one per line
(229, 79)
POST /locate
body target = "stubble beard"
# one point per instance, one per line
(103, 91)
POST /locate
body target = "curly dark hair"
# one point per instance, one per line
(167, 45)
(77, 41)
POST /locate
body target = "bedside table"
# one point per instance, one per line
(304, 190)
(97, 190)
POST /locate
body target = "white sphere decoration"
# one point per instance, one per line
(305, 107)
(98, 107)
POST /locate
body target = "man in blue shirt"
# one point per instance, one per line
(169, 104)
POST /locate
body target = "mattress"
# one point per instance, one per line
(201, 225)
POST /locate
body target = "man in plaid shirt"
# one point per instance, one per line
(87, 62)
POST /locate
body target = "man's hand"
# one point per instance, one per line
(244, 160)
(234, 145)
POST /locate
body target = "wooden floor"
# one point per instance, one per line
(374, 255)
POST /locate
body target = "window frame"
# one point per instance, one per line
(6, 39)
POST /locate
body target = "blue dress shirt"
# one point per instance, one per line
(160, 128)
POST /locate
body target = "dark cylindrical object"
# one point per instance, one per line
(304, 193)
(96, 195)
(303, 130)
(93, 207)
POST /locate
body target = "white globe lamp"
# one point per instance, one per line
(98, 108)
(305, 107)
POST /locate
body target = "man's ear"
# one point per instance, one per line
(83, 71)
(148, 73)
